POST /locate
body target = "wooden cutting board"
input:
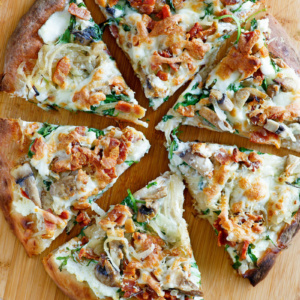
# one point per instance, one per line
(24, 278)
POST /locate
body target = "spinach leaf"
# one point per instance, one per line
(66, 36)
(126, 27)
(264, 84)
(130, 201)
(151, 184)
(253, 24)
(233, 87)
(47, 184)
(237, 263)
(251, 255)
(209, 10)
(275, 67)
(64, 261)
(113, 97)
(171, 4)
(30, 152)
(47, 129)
(205, 212)
(192, 99)
(130, 162)
(108, 112)
(173, 147)
(217, 212)
(98, 132)
(167, 117)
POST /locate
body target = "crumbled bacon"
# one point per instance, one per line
(83, 219)
(87, 253)
(187, 111)
(229, 2)
(205, 33)
(244, 250)
(61, 72)
(79, 12)
(162, 75)
(222, 234)
(38, 148)
(195, 30)
(196, 48)
(167, 53)
(144, 6)
(252, 160)
(129, 282)
(223, 157)
(247, 41)
(64, 215)
(265, 137)
(126, 107)
(223, 13)
(165, 12)
(167, 26)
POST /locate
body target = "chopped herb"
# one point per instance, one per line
(242, 149)
(31, 153)
(251, 255)
(113, 97)
(108, 112)
(233, 87)
(191, 99)
(224, 37)
(130, 201)
(275, 67)
(294, 213)
(173, 147)
(253, 24)
(66, 36)
(81, 233)
(253, 1)
(47, 129)
(166, 99)
(209, 10)
(236, 131)
(216, 231)
(269, 239)
(111, 21)
(195, 86)
(151, 184)
(92, 260)
(201, 184)
(47, 184)
(171, 4)
(264, 84)
(237, 263)
(167, 117)
(237, 21)
(226, 247)
(64, 261)
(126, 27)
(217, 212)
(131, 162)
(205, 212)
(98, 132)
(81, 4)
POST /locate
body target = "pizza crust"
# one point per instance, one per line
(67, 282)
(281, 45)
(25, 43)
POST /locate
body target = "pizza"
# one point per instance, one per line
(138, 249)
(56, 58)
(49, 174)
(251, 199)
(168, 41)
(252, 92)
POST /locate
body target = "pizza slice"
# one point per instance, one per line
(139, 249)
(56, 58)
(251, 199)
(49, 173)
(168, 41)
(251, 92)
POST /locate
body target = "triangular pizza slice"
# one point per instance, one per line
(251, 92)
(168, 41)
(49, 173)
(140, 249)
(251, 199)
(56, 58)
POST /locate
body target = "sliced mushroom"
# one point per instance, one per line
(274, 127)
(273, 90)
(214, 119)
(64, 187)
(201, 164)
(105, 273)
(116, 248)
(221, 98)
(182, 283)
(287, 84)
(246, 94)
(25, 178)
(153, 194)
(147, 212)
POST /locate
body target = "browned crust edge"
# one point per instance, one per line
(267, 261)
(10, 153)
(67, 282)
(282, 46)
(25, 43)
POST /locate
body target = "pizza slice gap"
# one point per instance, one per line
(251, 199)
(139, 249)
(252, 92)
(51, 173)
(56, 58)
(167, 42)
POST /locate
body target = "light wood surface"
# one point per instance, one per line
(24, 278)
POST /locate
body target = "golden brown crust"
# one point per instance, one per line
(11, 154)
(25, 43)
(267, 261)
(281, 45)
(67, 282)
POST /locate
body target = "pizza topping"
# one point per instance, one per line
(265, 137)
(168, 26)
(223, 101)
(229, 2)
(165, 12)
(145, 6)
(287, 84)
(79, 12)
(130, 108)
(65, 187)
(39, 148)
(223, 13)
(61, 72)
(83, 219)
(106, 273)
(273, 90)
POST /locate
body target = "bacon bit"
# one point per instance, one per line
(223, 157)
(244, 250)
(117, 216)
(87, 253)
(147, 6)
(84, 240)
(258, 76)
(247, 41)
(252, 160)
(111, 173)
(195, 30)
(129, 226)
(129, 283)
(223, 13)
(79, 12)
(24, 194)
(83, 219)
(64, 215)
(222, 234)
(80, 130)
(239, 156)
(123, 150)
(167, 53)
(204, 34)
(255, 159)
(157, 60)
(110, 153)
(50, 230)
(196, 48)
(126, 107)
(85, 98)
(162, 75)
(80, 205)
(229, 2)
(165, 12)
(51, 218)
(188, 111)
(265, 137)
(114, 31)
(118, 84)
(61, 72)
(168, 26)
(38, 148)
(289, 113)
(112, 3)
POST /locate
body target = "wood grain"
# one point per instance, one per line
(25, 278)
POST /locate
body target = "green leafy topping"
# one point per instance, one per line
(64, 262)
(224, 37)
(173, 147)
(192, 99)
(209, 10)
(81, 4)
(195, 86)
(167, 117)
(111, 21)
(201, 184)
(269, 239)
(108, 112)
(126, 27)
(251, 255)
(98, 132)
(264, 84)
(253, 24)
(275, 67)
(296, 182)
(217, 212)
(166, 99)
(216, 231)
(81, 233)
(294, 213)
(171, 4)
(113, 97)
(47, 184)
(131, 162)
(47, 129)
(234, 87)
(151, 184)
(226, 247)
(66, 36)
(31, 153)
(237, 9)
(205, 212)
(130, 201)
(237, 263)
(243, 149)
(92, 261)
(237, 21)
